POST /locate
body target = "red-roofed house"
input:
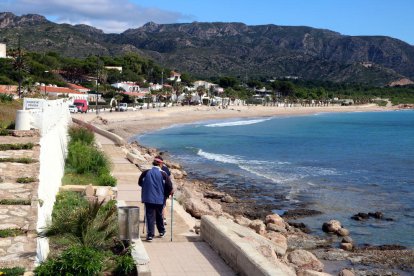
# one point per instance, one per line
(9, 90)
(78, 88)
(62, 91)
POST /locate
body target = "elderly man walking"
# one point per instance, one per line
(156, 186)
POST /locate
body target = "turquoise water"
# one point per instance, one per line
(339, 164)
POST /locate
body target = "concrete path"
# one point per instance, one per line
(187, 254)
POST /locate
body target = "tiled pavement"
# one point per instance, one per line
(187, 254)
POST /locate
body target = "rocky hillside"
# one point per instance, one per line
(211, 49)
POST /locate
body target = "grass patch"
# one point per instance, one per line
(8, 113)
(16, 146)
(81, 134)
(14, 271)
(85, 164)
(15, 202)
(79, 179)
(25, 180)
(24, 160)
(11, 232)
(4, 132)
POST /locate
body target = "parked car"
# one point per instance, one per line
(122, 107)
(82, 105)
(73, 108)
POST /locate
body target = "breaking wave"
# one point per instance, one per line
(238, 123)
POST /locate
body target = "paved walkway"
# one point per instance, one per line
(187, 254)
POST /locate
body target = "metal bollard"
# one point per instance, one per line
(128, 220)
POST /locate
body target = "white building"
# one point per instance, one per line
(175, 76)
(204, 84)
(2, 50)
(127, 86)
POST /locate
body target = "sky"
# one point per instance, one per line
(349, 17)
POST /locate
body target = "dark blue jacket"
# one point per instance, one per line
(156, 186)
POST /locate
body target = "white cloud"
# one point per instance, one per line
(108, 15)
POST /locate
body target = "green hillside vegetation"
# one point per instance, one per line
(226, 49)
(52, 68)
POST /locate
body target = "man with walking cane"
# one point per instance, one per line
(156, 186)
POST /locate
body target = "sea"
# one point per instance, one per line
(337, 163)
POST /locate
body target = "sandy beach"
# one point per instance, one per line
(130, 123)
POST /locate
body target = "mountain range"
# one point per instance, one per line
(221, 49)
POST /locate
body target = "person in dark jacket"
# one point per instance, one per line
(167, 171)
(155, 187)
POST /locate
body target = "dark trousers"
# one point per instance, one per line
(153, 214)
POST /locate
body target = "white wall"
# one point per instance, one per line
(55, 119)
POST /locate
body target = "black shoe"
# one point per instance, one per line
(149, 239)
(162, 234)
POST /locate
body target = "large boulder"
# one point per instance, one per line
(242, 220)
(304, 260)
(343, 232)
(214, 194)
(346, 246)
(279, 240)
(346, 272)
(198, 207)
(258, 226)
(276, 228)
(177, 174)
(227, 199)
(331, 226)
(275, 219)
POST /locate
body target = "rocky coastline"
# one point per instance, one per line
(336, 253)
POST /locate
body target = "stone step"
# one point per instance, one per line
(18, 251)
(10, 170)
(34, 154)
(9, 190)
(19, 140)
(18, 216)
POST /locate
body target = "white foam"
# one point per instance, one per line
(238, 123)
(223, 158)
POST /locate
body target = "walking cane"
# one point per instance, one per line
(143, 228)
(172, 204)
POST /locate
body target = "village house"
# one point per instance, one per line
(59, 92)
(127, 86)
(175, 76)
(78, 88)
(9, 90)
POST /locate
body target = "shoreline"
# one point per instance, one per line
(131, 123)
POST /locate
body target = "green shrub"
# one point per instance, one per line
(106, 180)
(14, 271)
(77, 260)
(94, 225)
(11, 232)
(81, 134)
(4, 132)
(6, 98)
(66, 203)
(25, 180)
(83, 158)
(124, 265)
